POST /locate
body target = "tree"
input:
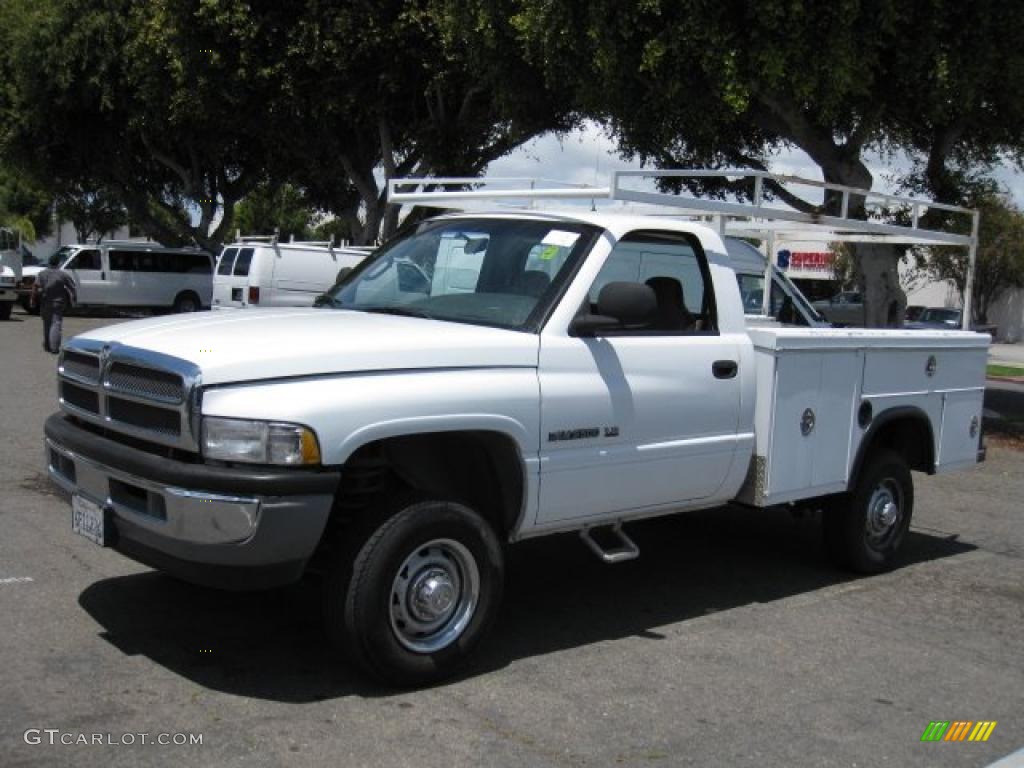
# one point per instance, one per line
(92, 213)
(406, 88)
(169, 105)
(1000, 258)
(282, 209)
(181, 107)
(728, 84)
(24, 206)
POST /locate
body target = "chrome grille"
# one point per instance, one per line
(137, 392)
(146, 383)
(76, 365)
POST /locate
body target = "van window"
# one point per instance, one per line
(227, 260)
(195, 263)
(121, 261)
(86, 259)
(242, 262)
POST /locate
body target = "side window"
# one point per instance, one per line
(121, 261)
(196, 263)
(673, 265)
(87, 259)
(242, 262)
(227, 261)
(147, 261)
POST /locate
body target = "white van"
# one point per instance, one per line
(126, 273)
(259, 271)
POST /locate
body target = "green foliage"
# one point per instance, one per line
(180, 107)
(23, 202)
(281, 209)
(93, 213)
(1000, 259)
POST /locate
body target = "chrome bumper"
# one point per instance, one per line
(185, 515)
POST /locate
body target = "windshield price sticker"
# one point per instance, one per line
(560, 237)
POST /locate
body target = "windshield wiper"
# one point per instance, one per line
(402, 311)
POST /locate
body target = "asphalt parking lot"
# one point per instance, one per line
(731, 641)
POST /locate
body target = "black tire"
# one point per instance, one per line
(365, 617)
(187, 302)
(858, 532)
(5, 309)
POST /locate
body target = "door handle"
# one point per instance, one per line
(724, 369)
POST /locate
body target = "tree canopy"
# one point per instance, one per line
(180, 109)
(725, 84)
(1000, 259)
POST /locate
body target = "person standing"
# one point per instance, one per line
(55, 290)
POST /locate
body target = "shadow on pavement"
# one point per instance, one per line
(272, 645)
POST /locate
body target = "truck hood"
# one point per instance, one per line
(248, 345)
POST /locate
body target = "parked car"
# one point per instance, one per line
(260, 271)
(483, 379)
(949, 319)
(845, 308)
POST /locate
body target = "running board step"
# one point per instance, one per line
(628, 550)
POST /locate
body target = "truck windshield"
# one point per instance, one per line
(484, 271)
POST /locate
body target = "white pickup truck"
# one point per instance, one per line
(485, 379)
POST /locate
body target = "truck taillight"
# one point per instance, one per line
(254, 294)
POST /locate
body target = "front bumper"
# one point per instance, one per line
(224, 527)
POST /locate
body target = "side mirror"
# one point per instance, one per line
(619, 304)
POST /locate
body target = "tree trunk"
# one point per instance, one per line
(876, 268)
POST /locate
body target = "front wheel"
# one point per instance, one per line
(419, 594)
(865, 528)
(5, 309)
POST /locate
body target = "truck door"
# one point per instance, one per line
(641, 419)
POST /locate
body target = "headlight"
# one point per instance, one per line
(259, 442)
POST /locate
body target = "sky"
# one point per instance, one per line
(587, 156)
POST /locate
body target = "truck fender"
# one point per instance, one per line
(908, 413)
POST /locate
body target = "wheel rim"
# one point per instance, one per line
(885, 513)
(434, 596)
(187, 304)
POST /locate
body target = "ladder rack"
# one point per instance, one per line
(759, 218)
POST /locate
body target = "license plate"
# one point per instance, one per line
(87, 519)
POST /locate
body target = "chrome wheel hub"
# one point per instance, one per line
(434, 596)
(884, 511)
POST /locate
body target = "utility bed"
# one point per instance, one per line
(819, 391)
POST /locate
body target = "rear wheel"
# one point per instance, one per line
(187, 302)
(414, 599)
(865, 528)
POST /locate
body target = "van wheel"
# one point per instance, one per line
(865, 528)
(5, 309)
(186, 302)
(419, 594)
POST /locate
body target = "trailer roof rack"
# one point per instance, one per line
(760, 218)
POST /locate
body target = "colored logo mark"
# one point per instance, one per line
(958, 730)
